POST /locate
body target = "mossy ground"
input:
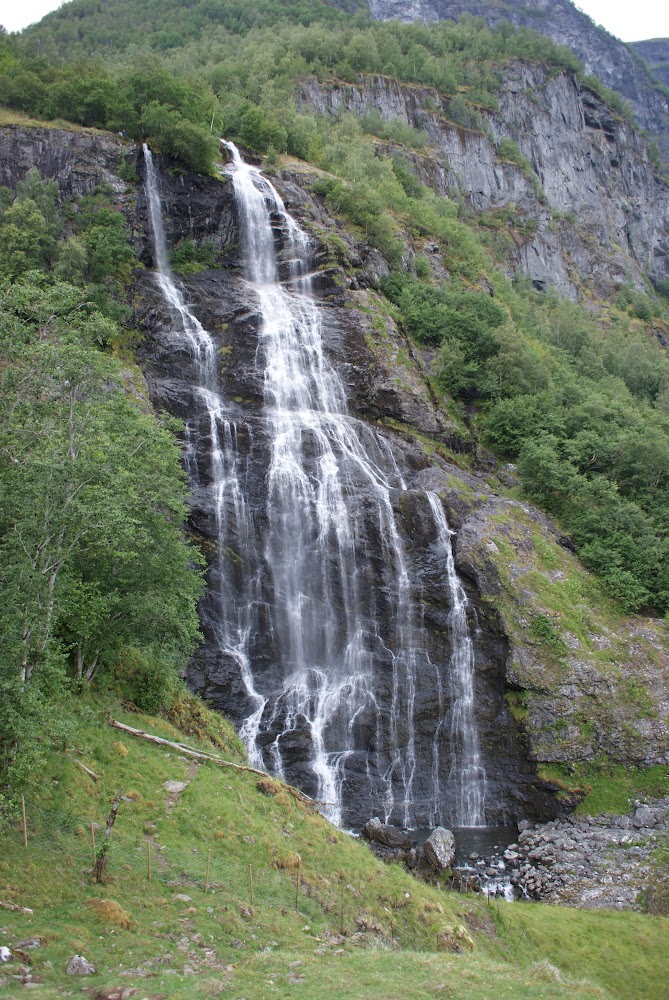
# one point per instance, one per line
(559, 614)
(10, 116)
(416, 940)
(608, 788)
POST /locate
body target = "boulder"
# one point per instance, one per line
(439, 849)
(646, 816)
(175, 787)
(80, 966)
(383, 833)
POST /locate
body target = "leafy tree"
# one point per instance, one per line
(175, 136)
(25, 243)
(93, 563)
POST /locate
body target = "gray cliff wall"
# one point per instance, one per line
(590, 166)
(655, 52)
(602, 55)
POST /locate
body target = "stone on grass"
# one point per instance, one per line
(80, 966)
(175, 786)
(34, 942)
(647, 816)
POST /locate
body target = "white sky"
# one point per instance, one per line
(631, 21)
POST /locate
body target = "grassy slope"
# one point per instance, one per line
(403, 921)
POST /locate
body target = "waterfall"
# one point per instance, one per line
(222, 480)
(467, 775)
(319, 611)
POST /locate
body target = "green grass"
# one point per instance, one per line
(399, 975)
(401, 938)
(10, 116)
(608, 788)
(624, 952)
(612, 788)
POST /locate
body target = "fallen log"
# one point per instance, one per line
(201, 755)
(91, 774)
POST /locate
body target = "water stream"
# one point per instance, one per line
(347, 636)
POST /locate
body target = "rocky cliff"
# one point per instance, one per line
(597, 687)
(600, 213)
(656, 54)
(602, 55)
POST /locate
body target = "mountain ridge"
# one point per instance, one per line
(603, 55)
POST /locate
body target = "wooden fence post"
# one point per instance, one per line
(297, 881)
(95, 857)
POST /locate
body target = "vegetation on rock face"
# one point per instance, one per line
(96, 579)
(234, 68)
(581, 406)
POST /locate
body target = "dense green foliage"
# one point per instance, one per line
(236, 67)
(583, 408)
(94, 569)
(143, 101)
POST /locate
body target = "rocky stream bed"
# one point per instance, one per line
(601, 861)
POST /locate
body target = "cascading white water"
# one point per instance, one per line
(222, 479)
(198, 339)
(327, 578)
(319, 458)
(467, 774)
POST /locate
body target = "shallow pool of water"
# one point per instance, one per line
(486, 841)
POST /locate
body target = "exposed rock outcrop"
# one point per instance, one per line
(77, 159)
(601, 211)
(602, 55)
(601, 687)
(655, 52)
(592, 862)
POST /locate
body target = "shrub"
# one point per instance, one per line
(145, 679)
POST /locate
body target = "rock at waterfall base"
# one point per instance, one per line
(383, 833)
(439, 849)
